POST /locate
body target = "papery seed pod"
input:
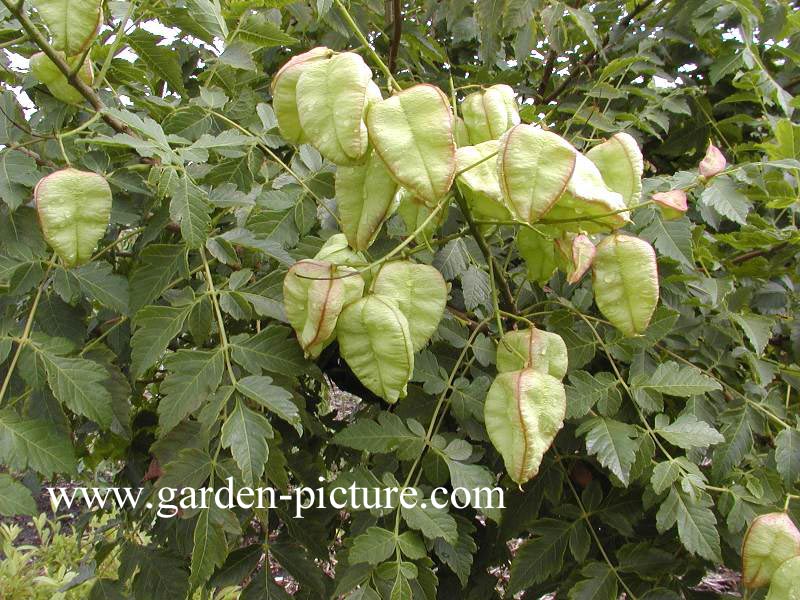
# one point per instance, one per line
(587, 195)
(577, 254)
(489, 113)
(414, 212)
(523, 412)
(46, 71)
(532, 348)
(375, 341)
(314, 294)
(413, 133)
(786, 581)
(365, 195)
(420, 293)
(332, 99)
(72, 23)
(336, 250)
(478, 181)
(713, 162)
(74, 209)
(284, 91)
(771, 540)
(620, 162)
(460, 132)
(672, 204)
(534, 167)
(625, 282)
(538, 252)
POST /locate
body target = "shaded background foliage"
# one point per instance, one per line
(128, 367)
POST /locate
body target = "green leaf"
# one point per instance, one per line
(722, 196)
(98, 281)
(246, 432)
(208, 15)
(273, 349)
(15, 498)
(193, 376)
(272, 397)
(385, 435)
(542, 557)
(697, 525)
(675, 380)
(158, 264)
(79, 384)
(156, 327)
(190, 469)
(373, 546)
(688, 432)
(664, 475)
(256, 29)
(458, 555)
(601, 583)
(787, 455)
(431, 521)
(613, 442)
(189, 207)
(209, 549)
(161, 59)
(35, 444)
(672, 239)
(757, 328)
(477, 288)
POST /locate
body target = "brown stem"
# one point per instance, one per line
(397, 32)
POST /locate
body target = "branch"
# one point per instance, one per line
(587, 61)
(397, 32)
(72, 77)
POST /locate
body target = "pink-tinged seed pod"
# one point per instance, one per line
(713, 162)
(672, 204)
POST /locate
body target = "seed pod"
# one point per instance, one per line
(577, 254)
(336, 250)
(524, 411)
(419, 292)
(365, 197)
(375, 341)
(46, 71)
(534, 167)
(538, 252)
(460, 132)
(587, 195)
(771, 540)
(489, 113)
(625, 281)
(713, 162)
(332, 99)
(74, 209)
(413, 133)
(314, 294)
(414, 212)
(672, 204)
(72, 23)
(620, 162)
(479, 184)
(542, 351)
(284, 91)
(786, 581)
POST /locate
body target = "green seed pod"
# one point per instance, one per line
(375, 341)
(460, 132)
(46, 71)
(672, 204)
(542, 351)
(332, 99)
(479, 184)
(534, 167)
(489, 113)
(786, 581)
(413, 211)
(336, 250)
(413, 133)
(771, 540)
(587, 195)
(314, 294)
(365, 196)
(625, 281)
(524, 411)
(538, 252)
(72, 23)
(284, 91)
(620, 162)
(420, 293)
(576, 254)
(74, 209)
